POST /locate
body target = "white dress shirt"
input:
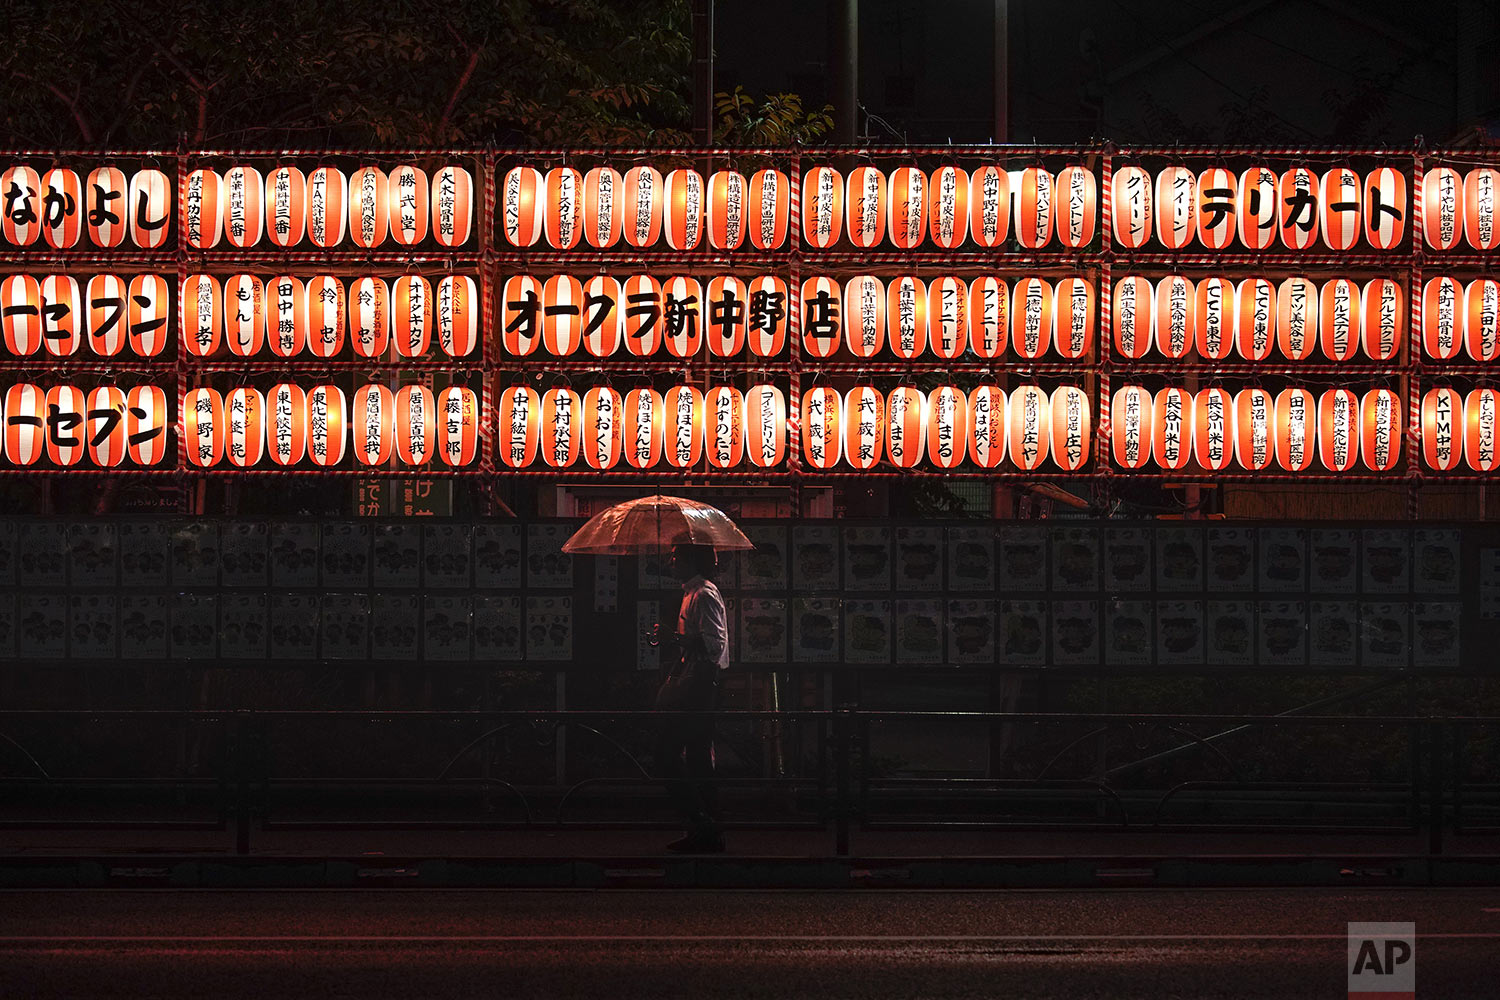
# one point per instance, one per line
(702, 614)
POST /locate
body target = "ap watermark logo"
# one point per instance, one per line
(1382, 961)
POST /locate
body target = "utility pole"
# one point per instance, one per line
(1002, 70)
(845, 71)
(703, 72)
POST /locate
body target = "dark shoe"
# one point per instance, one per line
(711, 842)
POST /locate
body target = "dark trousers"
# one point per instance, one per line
(685, 745)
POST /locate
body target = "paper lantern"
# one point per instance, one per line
(244, 314)
(906, 208)
(411, 315)
(108, 204)
(770, 209)
(948, 213)
(327, 437)
(416, 424)
(1481, 318)
(245, 412)
(1339, 214)
(1296, 429)
(645, 427)
(1383, 318)
(562, 314)
(1176, 207)
(641, 202)
(457, 315)
(728, 194)
(1031, 318)
(1070, 427)
(683, 203)
(563, 217)
(327, 207)
(865, 206)
(644, 319)
(61, 208)
(203, 202)
(561, 427)
(1175, 320)
(202, 315)
(25, 423)
(1217, 211)
(1338, 430)
(1030, 427)
(1380, 434)
(286, 316)
(1479, 208)
(1442, 208)
(458, 426)
(765, 426)
(1259, 197)
(1297, 212)
(1441, 337)
(1077, 209)
(947, 426)
(1254, 422)
(906, 316)
(105, 295)
(1133, 316)
(146, 417)
(989, 419)
(523, 204)
(822, 434)
(105, 427)
(286, 206)
(1075, 317)
(520, 315)
(452, 201)
(62, 315)
(905, 426)
(407, 188)
(1442, 434)
(822, 207)
(989, 206)
(203, 426)
(947, 324)
(1338, 319)
(373, 421)
(67, 434)
(1213, 428)
(1480, 408)
(724, 320)
(286, 428)
(1034, 208)
(603, 212)
(766, 317)
(21, 222)
(724, 442)
(1297, 318)
(864, 427)
(682, 412)
(244, 208)
(1130, 427)
(822, 317)
(603, 319)
(369, 316)
(988, 313)
(1130, 207)
(603, 427)
(1385, 208)
(1213, 316)
(325, 316)
(682, 316)
(518, 426)
(149, 312)
(21, 295)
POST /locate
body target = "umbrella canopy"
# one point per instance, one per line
(651, 524)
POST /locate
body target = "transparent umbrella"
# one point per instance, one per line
(653, 524)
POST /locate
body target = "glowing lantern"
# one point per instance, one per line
(326, 436)
(1442, 208)
(1254, 420)
(1130, 426)
(562, 314)
(1442, 438)
(947, 426)
(1297, 192)
(989, 206)
(202, 307)
(25, 424)
(148, 311)
(411, 315)
(457, 315)
(682, 308)
(369, 316)
(1441, 316)
(452, 201)
(61, 315)
(865, 206)
(864, 426)
(108, 206)
(1133, 316)
(821, 317)
(1338, 319)
(765, 426)
(682, 410)
(1130, 207)
(1030, 427)
(1213, 317)
(458, 425)
(1034, 208)
(906, 207)
(947, 324)
(1383, 309)
(286, 431)
(822, 207)
(65, 444)
(1077, 208)
(603, 427)
(1259, 197)
(62, 204)
(603, 212)
(1480, 408)
(1339, 214)
(725, 439)
(1296, 429)
(1380, 436)
(107, 435)
(644, 327)
(683, 204)
(766, 317)
(21, 229)
(1213, 428)
(822, 439)
(520, 315)
(146, 424)
(373, 420)
(407, 188)
(1175, 319)
(644, 427)
(1031, 318)
(989, 419)
(244, 211)
(1297, 318)
(948, 216)
(564, 213)
(905, 426)
(1070, 427)
(604, 323)
(1216, 209)
(523, 202)
(728, 201)
(245, 410)
(21, 296)
(327, 207)
(203, 426)
(1338, 430)
(1479, 208)
(1481, 306)
(906, 316)
(561, 427)
(1385, 208)
(724, 320)
(286, 206)
(416, 424)
(325, 315)
(1176, 207)
(642, 205)
(204, 204)
(770, 209)
(286, 315)
(1075, 317)
(106, 314)
(989, 316)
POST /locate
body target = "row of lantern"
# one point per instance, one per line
(110, 312)
(104, 426)
(59, 208)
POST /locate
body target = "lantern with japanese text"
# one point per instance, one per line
(1175, 318)
(989, 420)
(1338, 319)
(1383, 318)
(947, 324)
(452, 201)
(286, 206)
(562, 314)
(1338, 430)
(1297, 212)
(1130, 207)
(1071, 423)
(1442, 434)
(1385, 208)
(989, 316)
(1441, 315)
(1254, 428)
(989, 206)
(327, 207)
(1479, 208)
(770, 209)
(1074, 317)
(948, 213)
(1296, 429)
(1297, 318)
(947, 426)
(603, 320)
(458, 426)
(369, 316)
(244, 208)
(150, 209)
(373, 421)
(411, 315)
(148, 312)
(325, 316)
(106, 314)
(416, 424)
(564, 212)
(1213, 316)
(1259, 196)
(644, 327)
(1442, 208)
(906, 207)
(523, 205)
(1480, 409)
(682, 411)
(204, 209)
(327, 438)
(1130, 427)
(1034, 208)
(641, 203)
(561, 427)
(106, 199)
(724, 316)
(1030, 427)
(765, 426)
(286, 428)
(1216, 209)
(864, 204)
(21, 222)
(1172, 427)
(603, 212)
(1339, 214)
(21, 315)
(1213, 428)
(245, 410)
(864, 426)
(62, 315)
(520, 315)
(106, 430)
(644, 427)
(518, 417)
(1481, 316)
(822, 207)
(1077, 206)
(822, 317)
(286, 315)
(905, 426)
(603, 427)
(682, 198)
(766, 316)
(25, 411)
(1176, 206)
(457, 315)
(146, 417)
(202, 311)
(408, 211)
(65, 416)
(1380, 430)
(1133, 316)
(724, 439)
(728, 209)
(202, 426)
(1031, 318)
(906, 316)
(682, 322)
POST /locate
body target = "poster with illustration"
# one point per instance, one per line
(1179, 633)
(43, 554)
(1282, 560)
(815, 630)
(547, 565)
(867, 631)
(91, 554)
(764, 567)
(1385, 634)
(971, 559)
(815, 558)
(144, 548)
(395, 627)
(446, 548)
(294, 626)
(344, 626)
(1127, 558)
(1023, 632)
(245, 626)
(1179, 557)
(294, 554)
(245, 554)
(1075, 633)
(1229, 633)
(398, 555)
(1333, 563)
(919, 631)
(1229, 562)
(42, 625)
(1332, 633)
(144, 621)
(971, 631)
(763, 631)
(1435, 560)
(1281, 633)
(447, 628)
(194, 634)
(1021, 557)
(919, 558)
(1435, 627)
(1385, 561)
(499, 620)
(1075, 559)
(93, 628)
(497, 556)
(1128, 641)
(549, 628)
(344, 555)
(867, 559)
(7, 624)
(7, 552)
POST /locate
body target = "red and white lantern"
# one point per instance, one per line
(1213, 428)
(1175, 319)
(1385, 208)
(603, 210)
(682, 410)
(603, 433)
(416, 424)
(822, 207)
(1255, 320)
(452, 201)
(21, 309)
(1259, 196)
(1130, 427)
(822, 437)
(1077, 200)
(245, 410)
(1217, 208)
(989, 206)
(1075, 317)
(728, 209)
(25, 412)
(244, 209)
(906, 212)
(108, 206)
(457, 315)
(1442, 337)
(1297, 212)
(948, 213)
(1480, 409)
(149, 311)
(151, 207)
(327, 207)
(61, 208)
(1479, 208)
(1383, 318)
(562, 428)
(325, 316)
(905, 426)
(947, 426)
(62, 315)
(683, 196)
(1338, 430)
(22, 190)
(1254, 428)
(864, 426)
(989, 420)
(644, 315)
(1482, 319)
(327, 436)
(724, 443)
(458, 426)
(947, 324)
(369, 316)
(67, 437)
(107, 433)
(645, 427)
(765, 426)
(822, 319)
(286, 316)
(202, 312)
(1380, 430)
(865, 206)
(564, 213)
(603, 316)
(724, 318)
(562, 314)
(1130, 207)
(1176, 207)
(523, 204)
(204, 202)
(1213, 318)
(1338, 319)
(683, 316)
(642, 206)
(286, 206)
(286, 430)
(770, 209)
(1070, 427)
(203, 426)
(106, 314)
(1030, 427)
(1031, 318)
(989, 316)
(1297, 318)
(520, 315)
(1296, 429)
(1034, 208)
(407, 188)
(1133, 316)
(906, 316)
(411, 315)
(1442, 429)
(373, 420)
(1442, 208)
(766, 316)
(1339, 214)
(146, 418)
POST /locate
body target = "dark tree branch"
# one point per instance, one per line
(84, 130)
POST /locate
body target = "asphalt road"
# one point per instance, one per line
(1156, 944)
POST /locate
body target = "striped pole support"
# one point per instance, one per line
(794, 339)
(490, 329)
(1414, 354)
(182, 366)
